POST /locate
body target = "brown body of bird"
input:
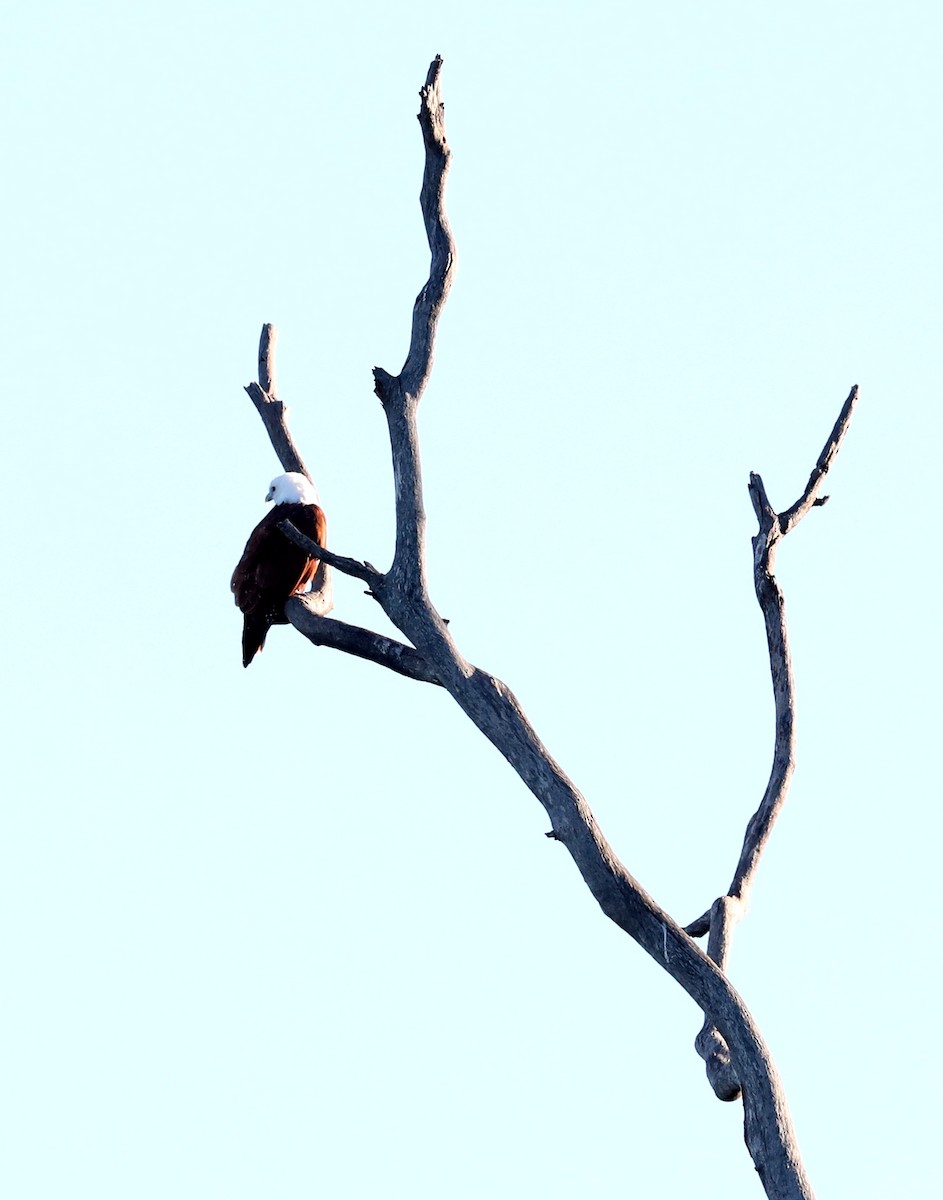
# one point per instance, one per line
(272, 568)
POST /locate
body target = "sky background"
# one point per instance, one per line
(296, 931)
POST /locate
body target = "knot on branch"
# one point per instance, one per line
(716, 1054)
(383, 385)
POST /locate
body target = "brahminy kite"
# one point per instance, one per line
(273, 569)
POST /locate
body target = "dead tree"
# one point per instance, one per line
(737, 1060)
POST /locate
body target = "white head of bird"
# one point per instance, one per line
(292, 488)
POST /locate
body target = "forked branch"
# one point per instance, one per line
(773, 527)
(719, 921)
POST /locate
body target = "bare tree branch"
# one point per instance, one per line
(267, 343)
(772, 528)
(738, 1060)
(767, 1125)
(710, 1045)
(400, 395)
(362, 643)
(432, 298)
(792, 516)
(271, 409)
(274, 416)
(727, 911)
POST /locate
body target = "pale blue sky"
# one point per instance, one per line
(295, 931)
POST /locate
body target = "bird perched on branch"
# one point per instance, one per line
(272, 568)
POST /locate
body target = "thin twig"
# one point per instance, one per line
(347, 566)
(267, 344)
(793, 515)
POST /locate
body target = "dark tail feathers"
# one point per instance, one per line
(254, 629)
